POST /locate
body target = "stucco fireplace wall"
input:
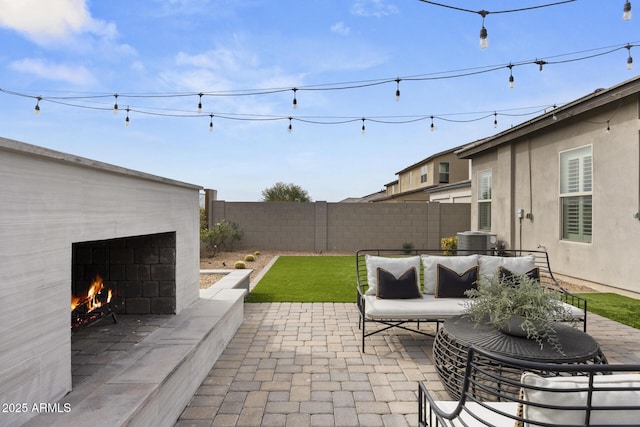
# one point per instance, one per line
(48, 201)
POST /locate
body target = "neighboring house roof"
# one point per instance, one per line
(596, 99)
(366, 199)
(428, 159)
(392, 183)
(448, 187)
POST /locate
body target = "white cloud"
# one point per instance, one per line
(52, 21)
(377, 8)
(340, 28)
(78, 75)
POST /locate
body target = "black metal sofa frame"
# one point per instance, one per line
(541, 261)
(558, 395)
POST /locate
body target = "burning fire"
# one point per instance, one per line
(92, 300)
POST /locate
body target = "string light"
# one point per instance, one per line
(115, 105)
(290, 129)
(363, 130)
(432, 127)
(37, 107)
(126, 120)
(626, 11)
(540, 63)
(211, 123)
(295, 100)
(495, 120)
(629, 58)
(398, 89)
(484, 41)
(512, 82)
(200, 102)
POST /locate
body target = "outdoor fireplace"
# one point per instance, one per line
(129, 275)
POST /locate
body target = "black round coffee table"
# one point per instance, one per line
(458, 333)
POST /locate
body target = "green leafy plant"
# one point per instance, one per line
(407, 247)
(534, 307)
(222, 235)
(449, 245)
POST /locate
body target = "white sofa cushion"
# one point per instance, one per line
(489, 264)
(561, 396)
(395, 266)
(459, 264)
(426, 308)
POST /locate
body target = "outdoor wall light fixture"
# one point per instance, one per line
(626, 11)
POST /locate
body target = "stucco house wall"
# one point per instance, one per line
(525, 169)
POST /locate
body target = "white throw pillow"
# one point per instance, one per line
(459, 264)
(601, 398)
(395, 266)
(517, 265)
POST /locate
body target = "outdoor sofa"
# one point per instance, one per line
(400, 287)
(541, 394)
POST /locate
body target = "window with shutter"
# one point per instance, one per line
(484, 200)
(576, 174)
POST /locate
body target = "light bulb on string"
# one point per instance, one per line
(512, 82)
(626, 11)
(295, 100)
(126, 120)
(36, 109)
(540, 63)
(211, 123)
(432, 127)
(495, 120)
(398, 89)
(363, 130)
(290, 129)
(115, 105)
(484, 39)
(629, 58)
(200, 102)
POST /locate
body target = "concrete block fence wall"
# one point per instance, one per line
(341, 227)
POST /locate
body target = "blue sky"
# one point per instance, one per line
(158, 55)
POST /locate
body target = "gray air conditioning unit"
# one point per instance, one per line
(477, 242)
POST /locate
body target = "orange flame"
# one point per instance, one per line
(91, 300)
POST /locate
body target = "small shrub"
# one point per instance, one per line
(407, 247)
(449, 245)
(257, 253)
(249, 258)
(239, 265)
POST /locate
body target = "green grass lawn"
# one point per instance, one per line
(308, 279)
(615, 307)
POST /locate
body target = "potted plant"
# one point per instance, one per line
(518, 305)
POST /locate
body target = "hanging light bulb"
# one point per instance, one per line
(495, 120)
(290, 129)
(295, 101)
(484, 40)
(512, 82)
(626, 11)
(398, 89)
(363, 130)
(432, 127)
(126, 120)
(36, 109)
(211, 123)
(115, 105)
(200, 102)
(540, 63)
(629, 59)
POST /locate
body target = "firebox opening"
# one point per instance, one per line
(139, 272)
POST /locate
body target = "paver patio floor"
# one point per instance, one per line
(300, 364)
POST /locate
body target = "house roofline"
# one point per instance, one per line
(431, 157)
(589, 102)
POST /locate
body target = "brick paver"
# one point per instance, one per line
(300, 364)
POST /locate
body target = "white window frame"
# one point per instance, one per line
(576, 194)
(423, 174)
(484, 199)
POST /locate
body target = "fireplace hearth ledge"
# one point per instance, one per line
(153, 382)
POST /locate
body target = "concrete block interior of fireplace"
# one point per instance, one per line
(64, 218)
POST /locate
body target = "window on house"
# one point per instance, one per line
(423, 174)
(575, 194)
(484, 200)
(443, 173)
